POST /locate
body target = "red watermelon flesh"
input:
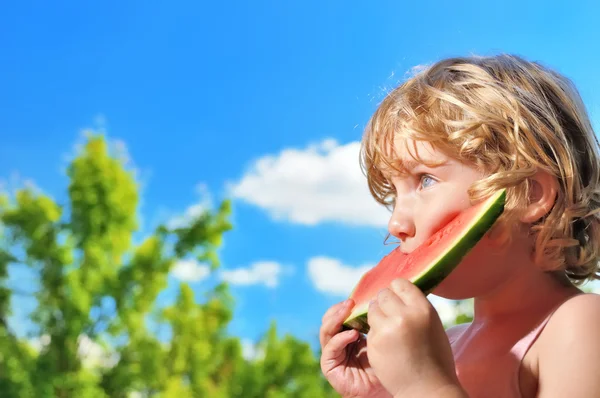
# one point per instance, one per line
(429, 263)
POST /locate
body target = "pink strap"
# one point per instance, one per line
(524, 344)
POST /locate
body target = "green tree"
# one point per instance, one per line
(95, 285)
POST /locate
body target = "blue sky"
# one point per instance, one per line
(262, 102)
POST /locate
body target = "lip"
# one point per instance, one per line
(403, 249)
(410, 245)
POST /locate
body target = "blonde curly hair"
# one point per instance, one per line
(510, 118)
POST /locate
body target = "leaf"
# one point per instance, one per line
(98, 295)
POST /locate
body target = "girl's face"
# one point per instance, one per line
(426, 199)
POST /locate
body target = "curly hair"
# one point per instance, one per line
(510, 118)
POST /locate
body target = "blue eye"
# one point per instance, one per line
(427, 181)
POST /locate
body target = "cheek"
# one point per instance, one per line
(442, 218)
(437, 214)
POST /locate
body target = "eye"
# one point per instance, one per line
(426, 181)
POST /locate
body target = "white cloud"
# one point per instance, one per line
(251, 351)
(94, 355)
(190, 271)
(262, 272)
(265, 273)
(320, 183)
(190, 213)
(100, 121)
(39, 343)
(204, 203)
(331, 276)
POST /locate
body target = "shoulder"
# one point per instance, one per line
(577, 316)
(570, 345)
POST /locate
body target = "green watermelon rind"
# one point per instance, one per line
(433, 275)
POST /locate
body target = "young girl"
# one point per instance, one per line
(447, 137)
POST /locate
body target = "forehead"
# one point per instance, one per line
(405, 154)
(408, 150)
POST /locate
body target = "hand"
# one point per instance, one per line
(408, 347)
(344, 359)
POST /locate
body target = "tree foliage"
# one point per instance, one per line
(95, 287)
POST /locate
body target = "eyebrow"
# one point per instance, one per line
(408, 166)
(411, 164)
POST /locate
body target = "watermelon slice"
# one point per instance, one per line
(431, 262)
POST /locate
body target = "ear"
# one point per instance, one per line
(542, 196)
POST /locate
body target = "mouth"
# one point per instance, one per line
(405, 248)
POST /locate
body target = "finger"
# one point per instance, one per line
(375, 316)
(333, 309)
(409, 293)
(389, 302)
(333, 319)
(334, 353)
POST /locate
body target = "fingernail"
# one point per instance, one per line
(343, 306)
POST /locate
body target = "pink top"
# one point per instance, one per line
(495, 374)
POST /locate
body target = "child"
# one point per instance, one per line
(447, 137)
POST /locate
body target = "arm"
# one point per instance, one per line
(445, 390)
(569, 357)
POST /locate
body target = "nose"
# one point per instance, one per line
(401, 224)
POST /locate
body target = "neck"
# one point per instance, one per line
(524, 292)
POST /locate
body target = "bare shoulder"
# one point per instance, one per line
(582, 310)
(578, 319)
(570, 345)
